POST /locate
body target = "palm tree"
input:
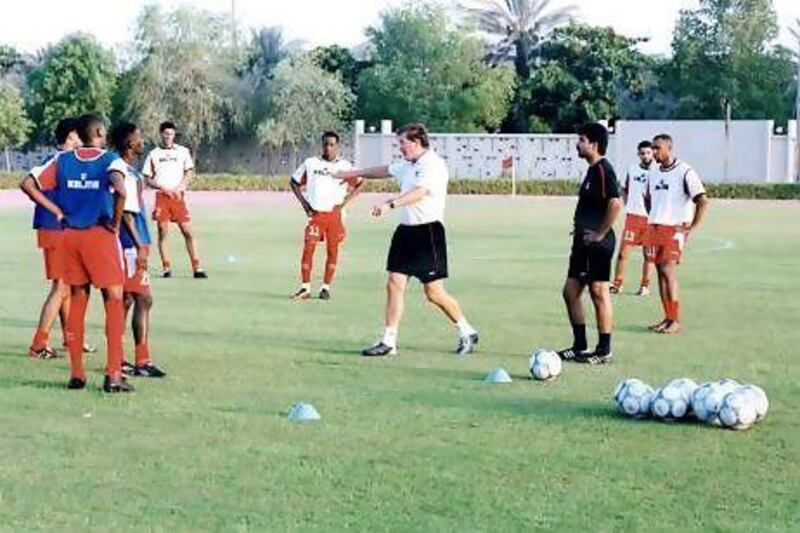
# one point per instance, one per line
(518, 25)
(795, 31)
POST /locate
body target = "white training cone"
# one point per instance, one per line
(498, 375)
(303, 412)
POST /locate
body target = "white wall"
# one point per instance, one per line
(755, 154)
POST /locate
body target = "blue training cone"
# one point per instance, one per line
(498, 375)
(303, 412)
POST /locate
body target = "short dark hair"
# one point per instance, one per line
(415, 132)
(87, 124)
(663, 137)
(64, 127)
(331, 135)
(596, 133)
(120, 134)
(166, 125)
(644, 144)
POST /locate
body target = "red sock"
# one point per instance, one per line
(666, 305)
(40, 339)
(64, 333)
(307, 261)
(330, 263)
(143, 353)
(676, 311)
(75, 331)
(115, 332)
(166, 265)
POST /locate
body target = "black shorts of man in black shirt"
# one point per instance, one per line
(593, 243)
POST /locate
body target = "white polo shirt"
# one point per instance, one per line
(672, 192)
(322, 190)
(131, 183)
(636, 189)
(168, 165)
(429, 172)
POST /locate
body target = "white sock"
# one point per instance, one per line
(464, 328)
(325, 287)
(305, 286)
(390, 337)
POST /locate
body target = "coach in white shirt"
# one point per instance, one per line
(419, 246)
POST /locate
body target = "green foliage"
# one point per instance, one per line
(306, 101)
(9, 59)
(181, 70)
(75, 76)
(14, 123)
(339, 61)
(722, 50)
(426, 71)
(584, 70)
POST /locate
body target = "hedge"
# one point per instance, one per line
(227, 182)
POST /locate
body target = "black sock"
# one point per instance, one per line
(579, 337)
(604, 344)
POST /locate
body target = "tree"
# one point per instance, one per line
(425, 71)
(14, 124)
(75, 76)
(795, 31)
(307, 101)
(585, 71)
(723, 51)
(182, 64)
(516, 29)
(341, 62)
(9, 59)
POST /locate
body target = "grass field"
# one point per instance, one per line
(416, 442)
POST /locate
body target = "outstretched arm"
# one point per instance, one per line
(372, 173)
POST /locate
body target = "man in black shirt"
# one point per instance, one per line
(593, 246)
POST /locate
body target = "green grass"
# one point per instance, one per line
(417, 442)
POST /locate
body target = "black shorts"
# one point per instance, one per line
(591, 263)
(419, 251)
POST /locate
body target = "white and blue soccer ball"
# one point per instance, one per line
(544, 365)
(633, 397)
(758, 398)
(707, 400)
(674, 400)
(738, 410)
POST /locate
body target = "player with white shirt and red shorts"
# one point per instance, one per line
(678, 203)
(636, 224)
(134, 237)
(324, 199)
(168, 169)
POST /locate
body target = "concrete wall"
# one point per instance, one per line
(754, 153)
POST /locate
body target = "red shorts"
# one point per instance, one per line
(137, 281)
(93, 256)
(171, 209)
(635, 233)
(52, 244)
(325, 226)
(665, 244)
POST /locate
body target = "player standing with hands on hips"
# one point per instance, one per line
(593, 245)
(419, 247)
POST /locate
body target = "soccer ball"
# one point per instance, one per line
(738, 410)
(707, 399)
(632, 397)
(673, 401)
(758, 398)
(544, 365)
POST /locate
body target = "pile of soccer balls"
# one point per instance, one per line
(723, 403)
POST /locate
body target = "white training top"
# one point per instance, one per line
(168, 165)
(636, 189)
(323, 191)
(429, 172)
(131, 183)
(672, 192)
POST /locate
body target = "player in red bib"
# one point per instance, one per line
(636, 225)
(678, 203)
(89, 201)
(324, 202)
